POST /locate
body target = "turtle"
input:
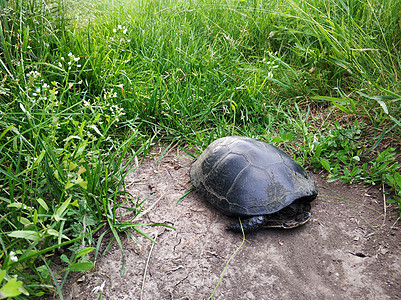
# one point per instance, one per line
(255, 181)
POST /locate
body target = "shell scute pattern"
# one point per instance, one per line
(245, 177)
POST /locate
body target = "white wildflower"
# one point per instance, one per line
(114, 30)
(13, 257)
(99, 288)
(33, 74)
(119, 27)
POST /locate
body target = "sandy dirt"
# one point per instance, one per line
(349, 250)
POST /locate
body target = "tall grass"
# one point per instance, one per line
(62, 167)
(83, 93)
(242, 55)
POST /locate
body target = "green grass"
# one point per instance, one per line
(85, 93)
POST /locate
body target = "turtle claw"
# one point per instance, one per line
(291, 216)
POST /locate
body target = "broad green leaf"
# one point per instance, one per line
(52, 232)
(352, 104)
(81, 266)
(383, 97)
(325, 164)
(2, 274)
(23, 290)
(56, 175)
(277, 139)
(356, 158)
(72, 166)
(394, 179)
(383, 105)
(11, 289)
(24, 221)
(35, 216)
(59, 212)
(19, 205)
(332, 179)
(318, 151)
(44, 272)
(39, 158)
(342, 107)
(69, 185)
(397, 178)
(43, 204)
(81, 149)
(55, 233)
(94, 127)
(81, 182)
(25, 234)
(71, 137)
(81, 128)
(64, 258)
(97, 118)
(83, 252)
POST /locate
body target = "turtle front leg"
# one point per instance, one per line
(248, 225)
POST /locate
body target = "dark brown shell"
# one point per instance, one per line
(242, 176)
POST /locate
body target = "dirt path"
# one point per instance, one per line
(346, 251)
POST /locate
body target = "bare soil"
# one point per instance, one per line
(349, 250)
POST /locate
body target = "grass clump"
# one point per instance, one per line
(62, 167)
(84, 93)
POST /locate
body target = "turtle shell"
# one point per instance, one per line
(242, 176)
